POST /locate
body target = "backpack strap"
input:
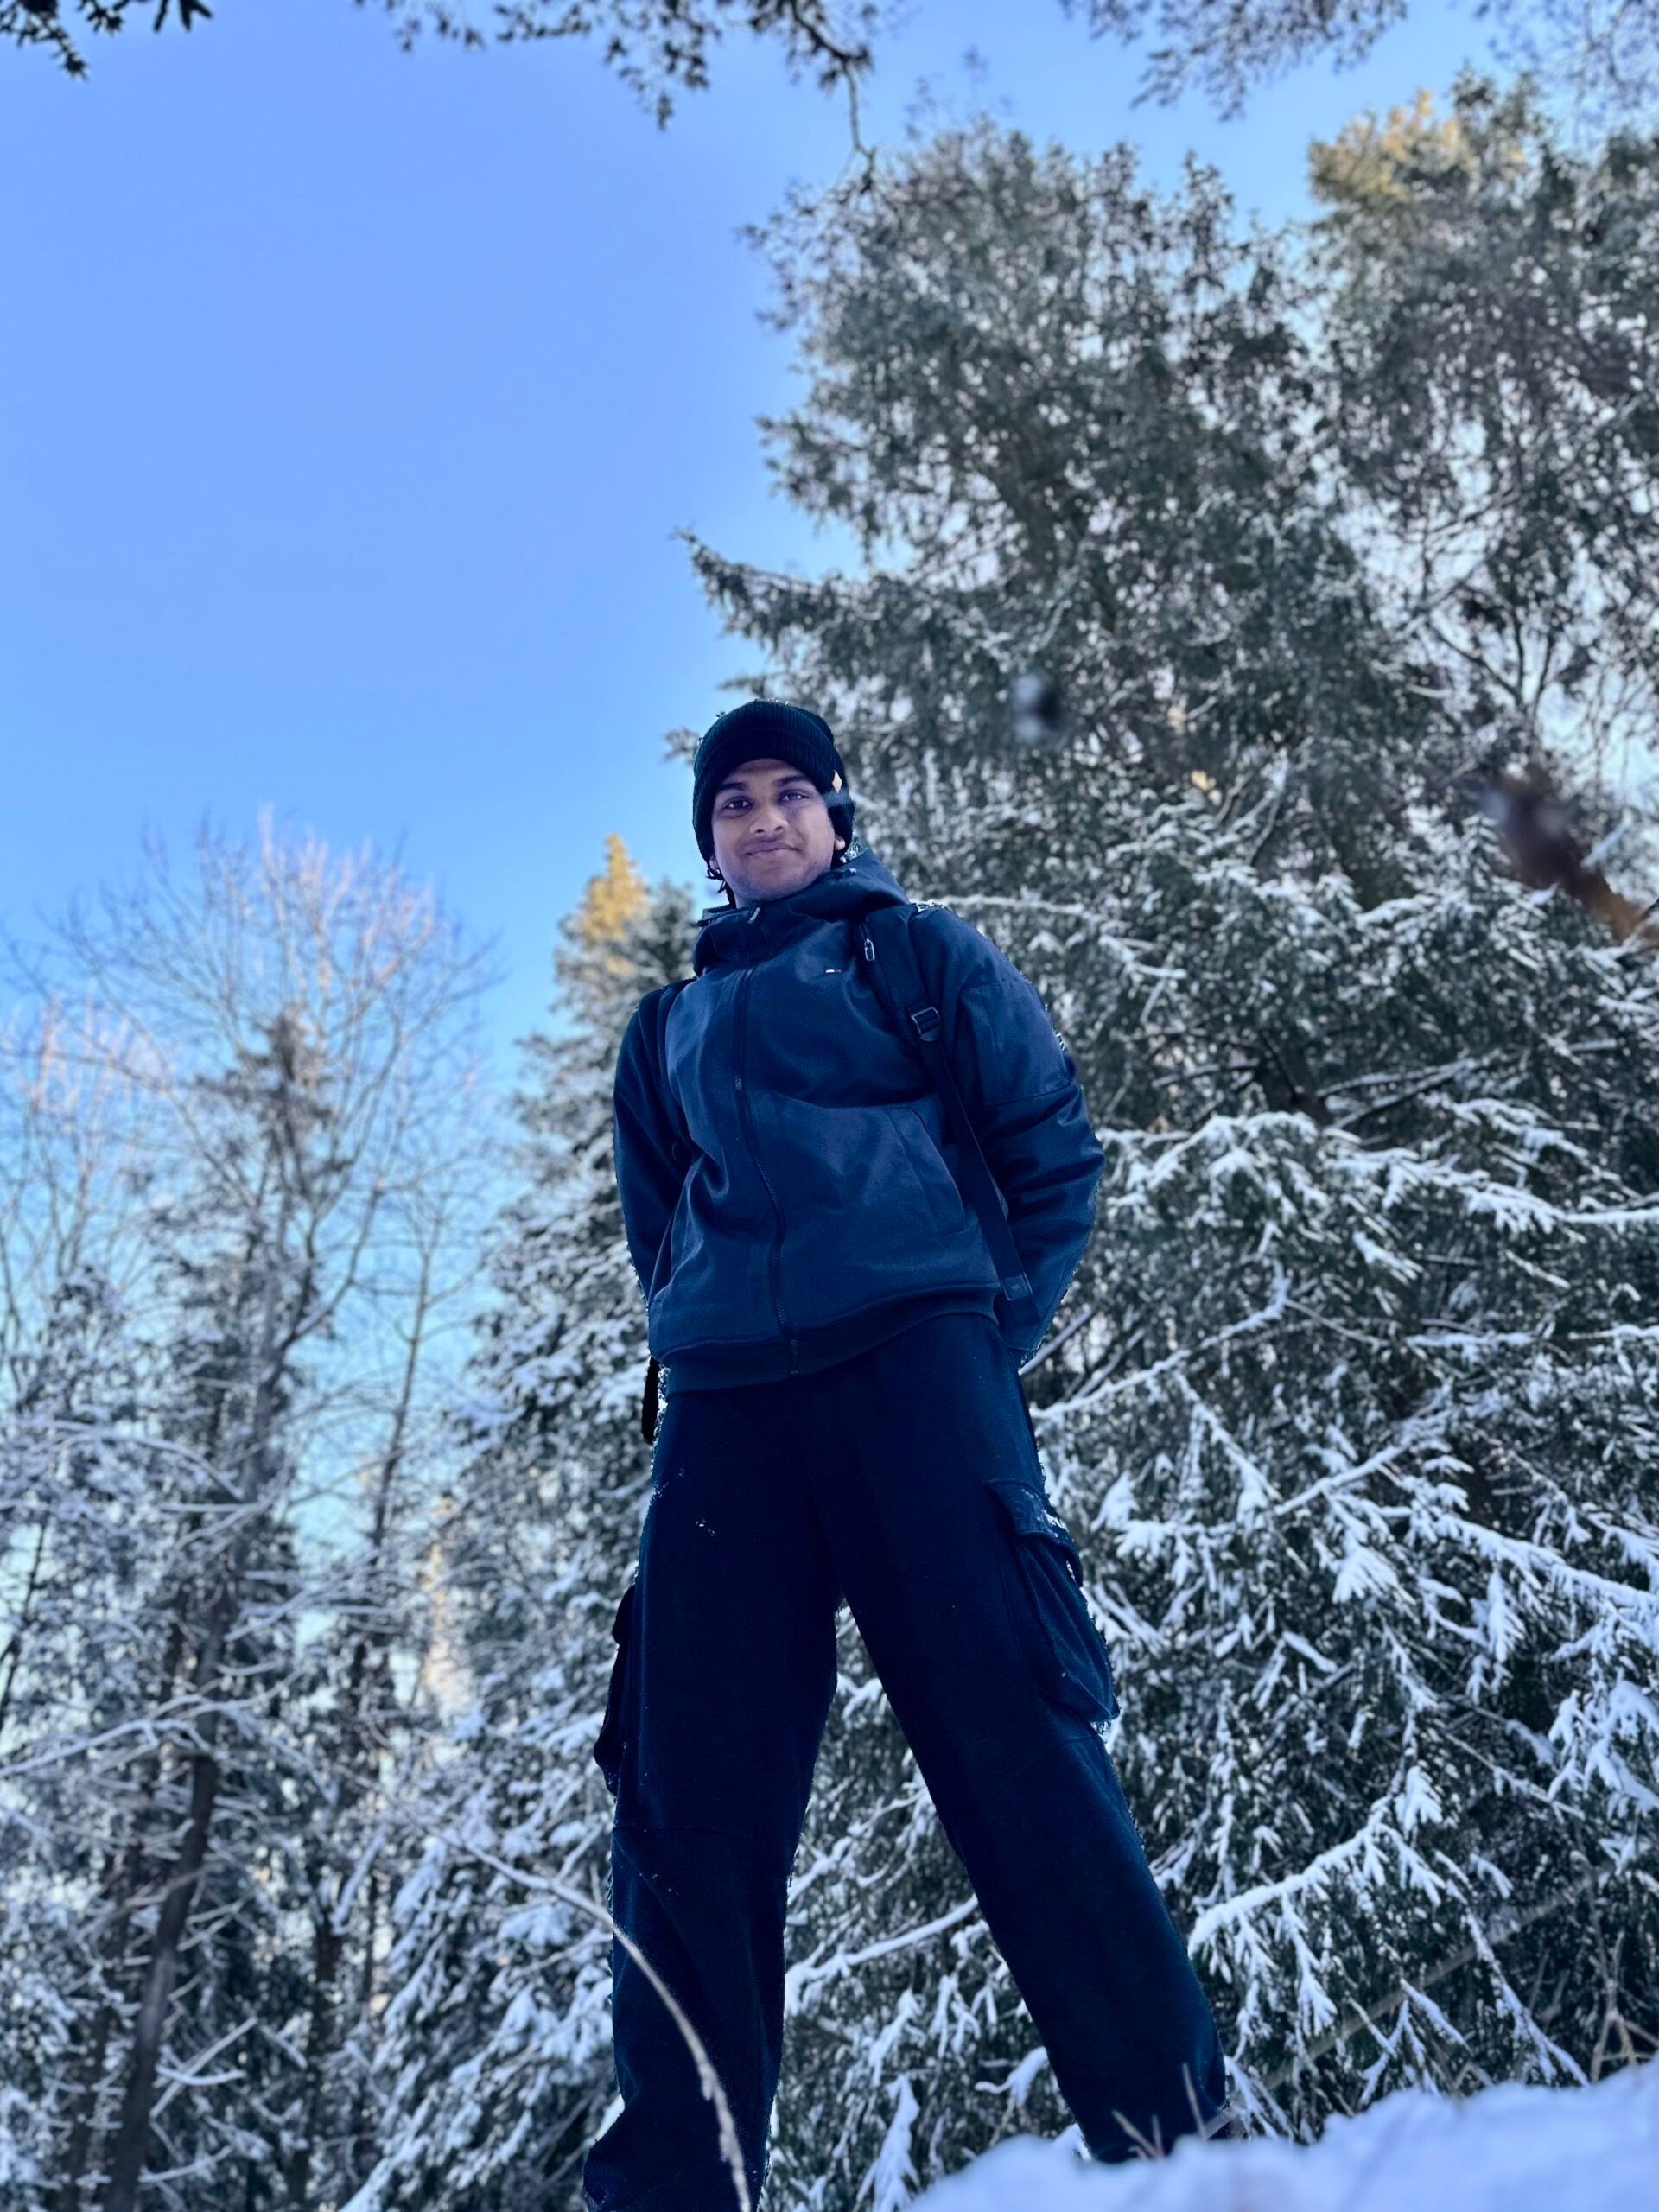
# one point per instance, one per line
(888, 950)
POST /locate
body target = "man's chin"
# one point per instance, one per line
(777, 878)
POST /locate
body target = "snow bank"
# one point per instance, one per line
(1512, 2148)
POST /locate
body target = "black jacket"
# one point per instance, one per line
(783, 1162)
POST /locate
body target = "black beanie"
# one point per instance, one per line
(758, 728)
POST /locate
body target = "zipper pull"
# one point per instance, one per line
(869, 948)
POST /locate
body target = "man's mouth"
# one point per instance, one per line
(765, 851)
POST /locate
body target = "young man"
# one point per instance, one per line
(845, 1421)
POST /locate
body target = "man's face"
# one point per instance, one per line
(771, 831)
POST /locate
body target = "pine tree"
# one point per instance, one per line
(497, 2055)
(1495, 361)
(78, 1533)
(1352, 1404)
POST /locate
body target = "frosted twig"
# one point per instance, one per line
(708, 2079)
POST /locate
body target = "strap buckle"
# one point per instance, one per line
(926, 1018)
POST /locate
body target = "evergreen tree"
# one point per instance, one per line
(79, 1534)
(1352, 1404)
(497, 2055)
(1496, 366)
(1094, 423)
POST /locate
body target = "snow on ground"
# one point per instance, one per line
(1512, 2148)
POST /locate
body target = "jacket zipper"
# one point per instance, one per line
(774, 1259)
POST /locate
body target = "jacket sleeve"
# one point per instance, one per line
(1019, 1085)
(650, 1156)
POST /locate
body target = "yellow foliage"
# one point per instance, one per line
(611, 899)
(1368, 165)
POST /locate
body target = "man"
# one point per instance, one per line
(845, 1421)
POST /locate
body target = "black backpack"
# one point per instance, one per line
(888, 948)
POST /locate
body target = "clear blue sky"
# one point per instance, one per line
(350, 399)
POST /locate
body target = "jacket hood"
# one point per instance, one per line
(738, 935)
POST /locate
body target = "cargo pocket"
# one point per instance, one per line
(1068, 1652)
(607, 1749)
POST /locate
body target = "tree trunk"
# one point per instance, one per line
(150, 2029)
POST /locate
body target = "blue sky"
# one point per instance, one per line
(349, 399)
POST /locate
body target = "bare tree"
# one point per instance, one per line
(285, 1049)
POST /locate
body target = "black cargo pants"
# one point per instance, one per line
(905, 1479)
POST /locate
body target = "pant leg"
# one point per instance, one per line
(727, 1671)
(932, 1493)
